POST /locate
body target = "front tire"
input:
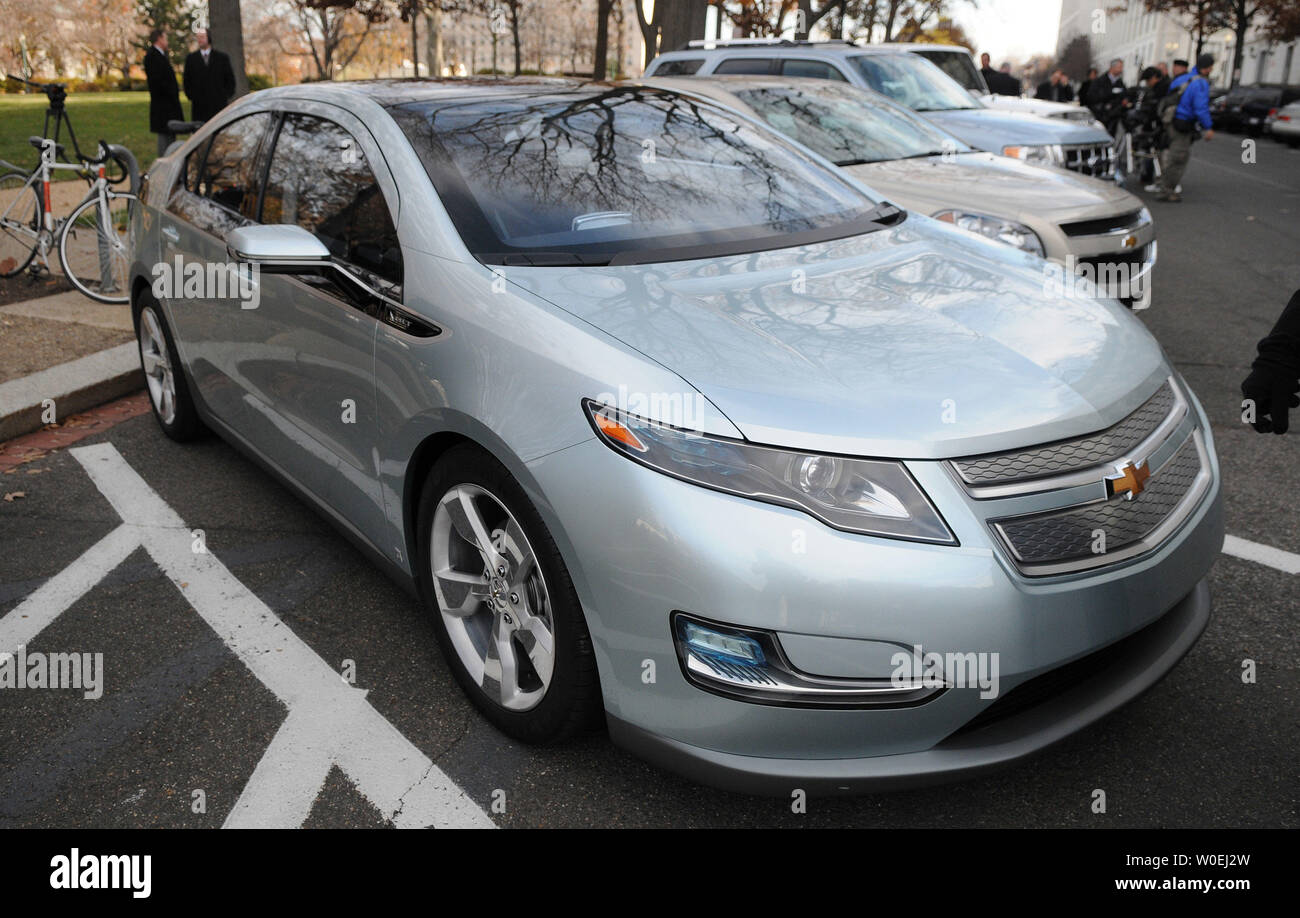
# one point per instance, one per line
(169, 392)
(505, 610)
(94, 247)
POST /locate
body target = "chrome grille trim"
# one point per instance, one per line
(1176, 487)
(1078, 461)
(1095, 159)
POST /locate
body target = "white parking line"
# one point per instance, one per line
(1261, 554)
(329, 723)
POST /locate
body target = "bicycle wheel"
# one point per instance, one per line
(20, 223)
(95, 246)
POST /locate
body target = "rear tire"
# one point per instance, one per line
(494, 624)
(169, 391)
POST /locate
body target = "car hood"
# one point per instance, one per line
(995, 185)
(1042, 107)
(989, 129)
(917, 341)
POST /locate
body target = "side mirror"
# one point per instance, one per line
(278, 248)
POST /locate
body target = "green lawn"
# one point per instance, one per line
(118, 117)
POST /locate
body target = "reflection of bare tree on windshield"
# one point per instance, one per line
(651, 163)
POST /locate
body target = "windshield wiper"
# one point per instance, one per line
(884, 213)
(855, 162)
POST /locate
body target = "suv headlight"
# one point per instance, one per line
(869, 496)
(1007, 231)
(1045, 154)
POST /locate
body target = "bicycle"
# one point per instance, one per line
(92, 240)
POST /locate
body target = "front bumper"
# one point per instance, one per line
(1118, 676)
(641, 546)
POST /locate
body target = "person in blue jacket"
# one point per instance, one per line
(1191, 115)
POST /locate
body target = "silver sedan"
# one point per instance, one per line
(670, 424)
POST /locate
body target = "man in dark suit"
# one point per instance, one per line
(164, 94)
(1108, 96)
(1056, 88)
(209, 78)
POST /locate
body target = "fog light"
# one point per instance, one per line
(735, 647)
(748, 664)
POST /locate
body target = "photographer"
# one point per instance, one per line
(1186, 109)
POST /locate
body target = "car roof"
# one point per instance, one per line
(390, 92)
(781, 48)
(724, 86)
(923, 46)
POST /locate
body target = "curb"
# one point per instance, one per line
(74, 386)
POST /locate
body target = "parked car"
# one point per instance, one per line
(1284, 124)
(665, 419)
(959, 64)
(1060, 215)
(1245, 109)
(911, 81)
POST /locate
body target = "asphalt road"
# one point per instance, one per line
(182, 711)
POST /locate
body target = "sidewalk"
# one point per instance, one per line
(62, 354)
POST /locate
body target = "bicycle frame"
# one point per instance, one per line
(41, 176)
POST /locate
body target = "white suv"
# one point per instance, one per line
(909, 80)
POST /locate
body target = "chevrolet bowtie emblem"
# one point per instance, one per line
(1130, 481)
(1130, 241)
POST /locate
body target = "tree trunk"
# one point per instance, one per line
(600, 69)
(226, 32)
(514, 34)
(680, 21)
(649, 33)
(415, 44)
(1240, 27)
(433, 40)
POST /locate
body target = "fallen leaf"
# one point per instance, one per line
(15, 495)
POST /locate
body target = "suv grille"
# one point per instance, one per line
(1095, 159)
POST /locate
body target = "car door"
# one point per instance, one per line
(306, 358)
(216, 191)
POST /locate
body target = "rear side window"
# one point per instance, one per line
(320, 180)
(680, 67)
(814, 70)
(229, 174)
(745, 65)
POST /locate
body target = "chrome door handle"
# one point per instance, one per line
(171, 234)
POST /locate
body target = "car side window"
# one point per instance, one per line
(680, 67)
(745, 65)
(816, 70)
(229, 175)
(319, 179)
(219, 181)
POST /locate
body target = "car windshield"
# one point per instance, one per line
(959, 66)
(912, 81)
(846, 125)
(621, 174)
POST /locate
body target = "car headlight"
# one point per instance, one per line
(1007, 231)
(869, 496)
(1045, 154)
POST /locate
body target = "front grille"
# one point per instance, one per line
(1104, 265)
(1070, 455)
(1128, 221)
(1095, 159)
(1070, 534)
